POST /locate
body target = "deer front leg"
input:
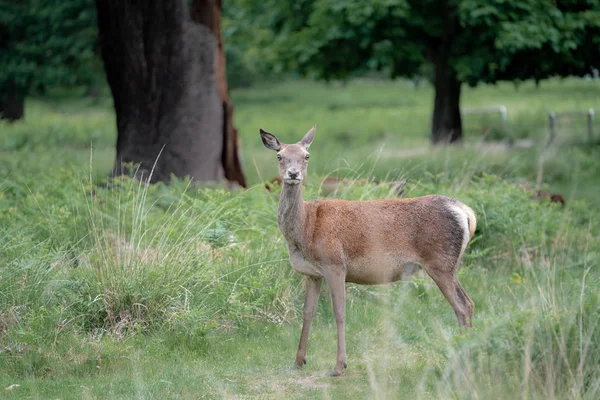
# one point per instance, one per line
(313, 287)
(336, 284)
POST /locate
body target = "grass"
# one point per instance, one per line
(115, 289)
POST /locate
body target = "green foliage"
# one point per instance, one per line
(245, 61)
(483, 41)
(134, 263)
(112, 288)
(526, 39)
(46, 43)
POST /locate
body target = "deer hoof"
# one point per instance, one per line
(300, 363)
(334, 373)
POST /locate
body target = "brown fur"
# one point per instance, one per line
(542, 194)
(554, 197)
(340, 232)
(367, 242)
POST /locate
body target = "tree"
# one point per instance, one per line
(43, 44)
(165, 67)
(450, 41)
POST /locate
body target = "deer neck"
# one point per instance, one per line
(291, 215)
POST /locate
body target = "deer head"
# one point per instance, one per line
(293, 158)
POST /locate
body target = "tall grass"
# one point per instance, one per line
(117, 288)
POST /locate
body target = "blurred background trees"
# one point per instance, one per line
(44, 44)
(165, 61)
(450, 42)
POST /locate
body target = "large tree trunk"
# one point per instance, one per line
(208, 13)
(446, 126)
(161, 68)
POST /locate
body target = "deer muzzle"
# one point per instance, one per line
(293, 176)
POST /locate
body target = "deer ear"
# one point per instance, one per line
(308, 138)
(270, 141)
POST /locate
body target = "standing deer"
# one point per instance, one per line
(366, 242)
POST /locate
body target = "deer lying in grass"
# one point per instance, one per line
(366, 242)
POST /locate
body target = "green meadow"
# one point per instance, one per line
(111, 288)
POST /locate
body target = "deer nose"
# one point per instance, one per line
(293, 173)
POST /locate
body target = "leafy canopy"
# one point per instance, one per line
(45, 43)
(483, 41)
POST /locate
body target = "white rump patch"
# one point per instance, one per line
(463, 220)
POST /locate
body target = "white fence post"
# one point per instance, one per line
(591, 124)
(552, 123)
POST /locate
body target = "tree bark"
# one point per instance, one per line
(161, 68)
(446, 126)
(208, 13)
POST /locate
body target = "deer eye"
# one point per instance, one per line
(278, 157)
(307, 157)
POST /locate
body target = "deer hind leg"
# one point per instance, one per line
(458, 298)
(313, 287)
(462, 294)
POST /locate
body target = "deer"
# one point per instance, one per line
(366, 242)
